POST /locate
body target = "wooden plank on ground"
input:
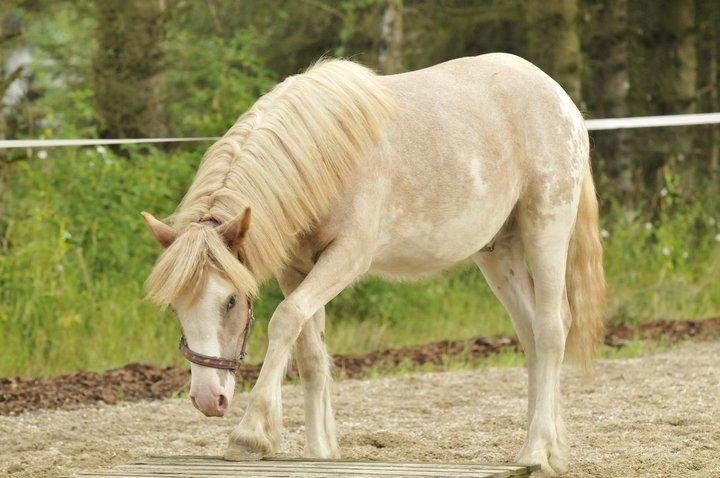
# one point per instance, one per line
(184, 466)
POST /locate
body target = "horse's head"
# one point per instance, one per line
(201, 277)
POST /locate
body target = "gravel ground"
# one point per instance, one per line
(651, 416)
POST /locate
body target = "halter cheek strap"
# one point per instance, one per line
(219, 362)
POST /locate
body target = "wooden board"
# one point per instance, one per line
(185, 466)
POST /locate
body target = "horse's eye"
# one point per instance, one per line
(231, 302)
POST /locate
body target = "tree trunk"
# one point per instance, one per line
(10, 30)
(663, 73)
(554, 41)
(391, 38)
(128, 68)
(14, 62)
(708, 26)
(608, 61)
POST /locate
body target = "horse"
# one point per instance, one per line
(339, 172)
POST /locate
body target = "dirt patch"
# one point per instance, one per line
(650, 416)
(668, 331)
(135, 382)
(132, 382)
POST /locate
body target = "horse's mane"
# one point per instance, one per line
(287, 158)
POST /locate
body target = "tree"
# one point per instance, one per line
(128, 68)
(608, 86)
(391, 37)
(554, 41)
(10, 31)
(708, 27)
(663, 80)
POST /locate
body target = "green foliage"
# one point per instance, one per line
(206, 101)
(75, 254)
(352, 14)
(60, 39)
(208, 79)
(666, 266)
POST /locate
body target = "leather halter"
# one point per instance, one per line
(218, 362)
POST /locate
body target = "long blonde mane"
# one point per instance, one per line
(287, 158)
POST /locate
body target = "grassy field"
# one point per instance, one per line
(75, 254)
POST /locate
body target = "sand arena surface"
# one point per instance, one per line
(651, 416)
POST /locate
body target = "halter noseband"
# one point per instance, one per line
(218, 362)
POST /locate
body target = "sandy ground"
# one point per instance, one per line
(652, 416)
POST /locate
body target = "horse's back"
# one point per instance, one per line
(498, 96)
(515, 110)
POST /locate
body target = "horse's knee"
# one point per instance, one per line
(286, 322)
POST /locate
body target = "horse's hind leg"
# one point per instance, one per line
(505, 271)
(545, 236)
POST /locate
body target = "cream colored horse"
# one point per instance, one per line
(348, 173)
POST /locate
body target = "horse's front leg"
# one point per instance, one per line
(258, 433)
(314, 366)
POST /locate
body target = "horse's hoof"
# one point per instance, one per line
(238, 452)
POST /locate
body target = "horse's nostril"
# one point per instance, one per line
(222, 402)
(192, 399)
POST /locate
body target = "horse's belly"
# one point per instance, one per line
(415, 247)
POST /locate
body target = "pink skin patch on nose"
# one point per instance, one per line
(211, 390)
(208, 396)
(211, 405)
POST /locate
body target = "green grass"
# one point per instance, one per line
(74, 255)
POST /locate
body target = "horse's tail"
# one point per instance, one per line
(585, 281)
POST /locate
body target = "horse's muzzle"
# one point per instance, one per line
(211, 405)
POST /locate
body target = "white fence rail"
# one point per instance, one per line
(592, 125)
(52, 143)
(652, 121)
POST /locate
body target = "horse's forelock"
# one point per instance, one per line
(183, 267)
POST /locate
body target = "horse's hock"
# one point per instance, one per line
(216, 467)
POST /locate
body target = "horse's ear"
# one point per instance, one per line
(163, 234)
(235, 230)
